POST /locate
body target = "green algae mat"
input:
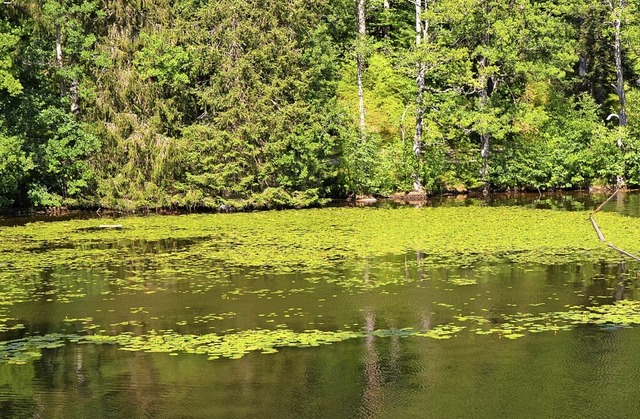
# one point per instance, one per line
(313, 239)
(224, 285)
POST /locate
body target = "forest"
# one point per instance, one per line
(194, 104)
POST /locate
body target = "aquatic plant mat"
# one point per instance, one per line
(225, 285)
(601, 236)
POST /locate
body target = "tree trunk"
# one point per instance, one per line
(58, 46)
(417, 139)
(386, 29)
(582, 67)
(485, 137)
(484, 153)
(620, 78)
(75, 106)
(622, 114)
(63, 90)
(361, 39)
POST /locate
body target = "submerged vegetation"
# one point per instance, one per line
(235, 261)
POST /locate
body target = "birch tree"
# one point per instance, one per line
(422, 30)
(362, 27)
(617, 9)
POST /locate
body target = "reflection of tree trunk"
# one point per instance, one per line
(419, 257)
(143, 382)
(369, 321)
(426, 321)
(360, 58)
(394, 352)
(371, 397)
(366, 274)
(620, 286)
(80, 367)
(620, 202)
(406, 268)
(40, 407)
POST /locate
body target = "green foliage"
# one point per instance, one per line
(558, 144)
(376, 165)
(360, 160)
(161, 62)
(8, 80)
(631, 140)
(62, 160)
(52, 158)
(15, 165)
(203, 125)
(255, 104)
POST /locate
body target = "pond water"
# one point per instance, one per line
(218, 316)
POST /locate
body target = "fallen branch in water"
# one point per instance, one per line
(599, 232)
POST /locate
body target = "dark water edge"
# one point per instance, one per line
(564, 200)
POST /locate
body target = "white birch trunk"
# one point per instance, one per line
(361, 37)
(63, 90)
(617, 11)
(386, 6)
(58, 46)
(485, 137)
(75, 101)
(619, 76)
(417, 139)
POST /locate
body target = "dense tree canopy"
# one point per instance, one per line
(189, 103)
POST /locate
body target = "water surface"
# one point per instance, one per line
(390, 302)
